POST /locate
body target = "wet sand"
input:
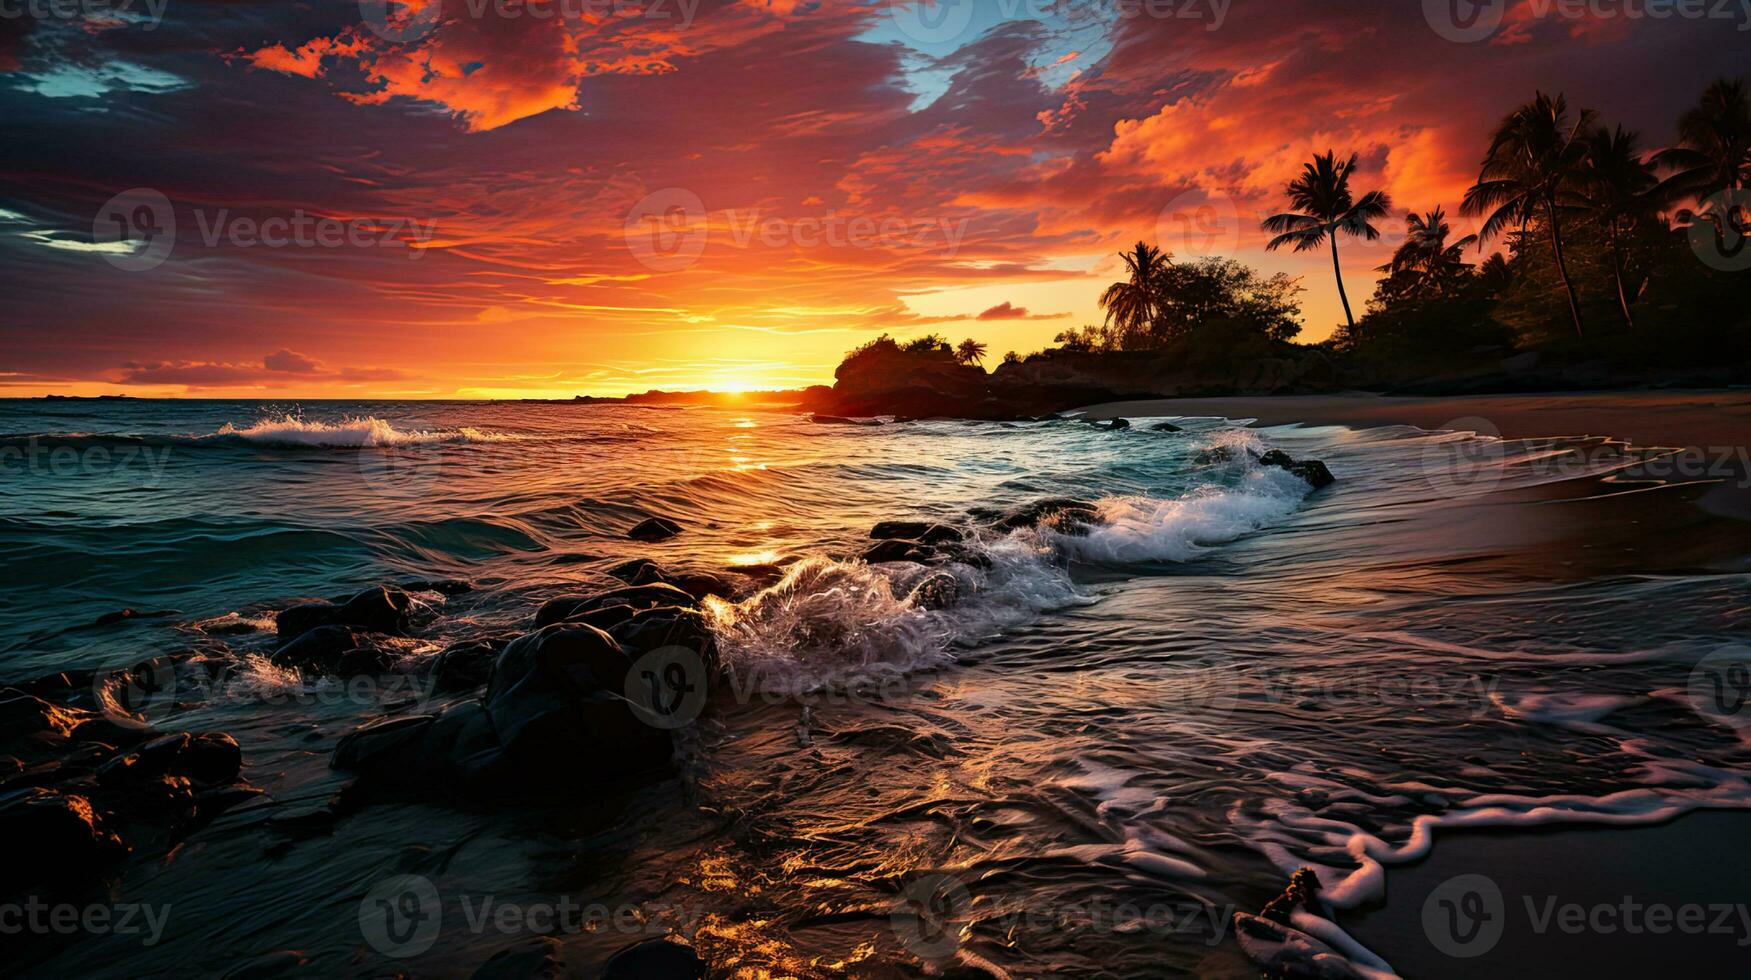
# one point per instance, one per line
(1687, 522)
(1698, 860)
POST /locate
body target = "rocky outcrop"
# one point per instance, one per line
(85, 789)
(694, 582)
(334, 650)
(374, 610)
(886, 379)
(604, 609)
(1311, 470)
(589, 698)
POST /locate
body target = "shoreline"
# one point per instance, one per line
(1670, 863)
(1713, 422)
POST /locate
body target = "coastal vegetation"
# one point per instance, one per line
(1594, 258)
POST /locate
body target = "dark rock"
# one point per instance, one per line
(1302, 894)
(167, 801)
(655, 959)
(211, 759)
(1064, 514)
(898, 549)
(654, 529)
(536, 959)
(1113, 425)
(643, 571)
(51, 837)
(557, 701)
(152, 760)
(1165, 427)
(1312, 471)
(465, 666)
(938, 590)
(669, 626)
(321, 650)
(1214, 455)
(26, 716)
(635, 596)
(441, 754)
(127, 615)
(376, 610)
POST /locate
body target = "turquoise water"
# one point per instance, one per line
(1231, 677)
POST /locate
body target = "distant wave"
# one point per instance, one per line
(290, 432)
(350, 433)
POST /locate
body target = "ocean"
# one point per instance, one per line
(1110, 743)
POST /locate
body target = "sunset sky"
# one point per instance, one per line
(711, 193)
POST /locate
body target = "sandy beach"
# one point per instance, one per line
(1690, 860)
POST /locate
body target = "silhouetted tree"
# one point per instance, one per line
(1426, 264)
(1534, 154)
(1324, 207)
(1615, 186)
(1133, 304)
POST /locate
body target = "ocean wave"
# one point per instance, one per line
(1143, 529)
(351, 433)
(829, 620)
(286, 432)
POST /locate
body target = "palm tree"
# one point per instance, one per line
(1533, 157)
(1425, 256)
(1714, 155)
(1133, 304)
(1324, 206)
(971, 352)
(1715, 150)
(1616, 184)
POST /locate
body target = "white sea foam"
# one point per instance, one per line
(349, 433)
(1139, 529)
(828, 619)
